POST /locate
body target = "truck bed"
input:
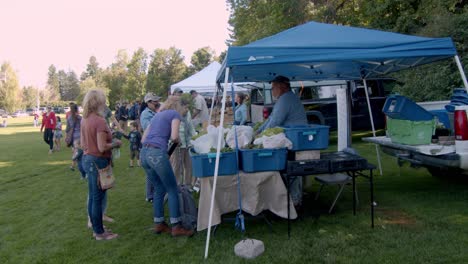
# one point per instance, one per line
(431, 149)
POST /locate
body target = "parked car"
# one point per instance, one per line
(19, 113)
(319, 101)
(30, 111)
(3, 113)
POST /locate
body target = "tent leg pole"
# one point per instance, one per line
(462, 73)
(372, 124)
(220, 136)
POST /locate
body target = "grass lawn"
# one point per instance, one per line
(419, 218)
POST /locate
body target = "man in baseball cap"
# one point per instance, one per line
(152, 97)
(152, 102)
(177, 91)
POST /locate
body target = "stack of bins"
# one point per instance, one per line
(407, 122)
(307, 141)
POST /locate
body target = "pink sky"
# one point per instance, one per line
(36, 34)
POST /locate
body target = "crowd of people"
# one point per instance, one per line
(95, 139)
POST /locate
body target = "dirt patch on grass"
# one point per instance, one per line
(396, 217)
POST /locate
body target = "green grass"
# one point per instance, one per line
(419, 218)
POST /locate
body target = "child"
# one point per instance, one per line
(58, 134)
(36, 119)
(135, 143)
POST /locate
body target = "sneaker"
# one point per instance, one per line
(162, 228)
(179, 230)
(149, 200)
(106, 236)
(72, 168)
(50, 151)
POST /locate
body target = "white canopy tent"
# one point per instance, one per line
(203, 81)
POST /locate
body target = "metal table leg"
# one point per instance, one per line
(287, 197)
(354, 193)
(371, 180)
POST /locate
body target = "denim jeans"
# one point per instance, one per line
(49, 137)
(159, 170)
(95, 194)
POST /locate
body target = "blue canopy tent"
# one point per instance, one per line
(317, 51)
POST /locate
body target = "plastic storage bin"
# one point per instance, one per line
(410, 132)
(400, 107)
(307, 137)
(254, 160)
(203, 165)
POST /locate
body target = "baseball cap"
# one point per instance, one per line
(280, 79)
(151, 97)
(178, 90)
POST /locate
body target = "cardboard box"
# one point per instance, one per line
(307, 155)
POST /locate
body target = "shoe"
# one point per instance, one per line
(106, 236)
(107, 219)
(50, 151)
(178, 230)
(162, 228)
(149, 200)
(72, 168)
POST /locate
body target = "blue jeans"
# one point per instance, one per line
(95, 194)
(159, 170)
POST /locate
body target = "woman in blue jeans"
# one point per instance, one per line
(155, 161)
(96, 141)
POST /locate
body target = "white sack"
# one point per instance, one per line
(244, 136)
(276, 141)
(203, 144)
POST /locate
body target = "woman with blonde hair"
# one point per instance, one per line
(155, 161)
(96, 141)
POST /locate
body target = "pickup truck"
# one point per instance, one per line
(319, 101)
(440, 159)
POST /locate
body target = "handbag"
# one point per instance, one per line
(69, 136)
(106, 179)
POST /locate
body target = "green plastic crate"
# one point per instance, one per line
(410, 132)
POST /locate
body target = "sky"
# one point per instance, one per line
(35, 34)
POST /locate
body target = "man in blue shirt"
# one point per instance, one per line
(288, 111)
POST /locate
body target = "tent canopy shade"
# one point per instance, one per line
(317, 51)
(204, 81)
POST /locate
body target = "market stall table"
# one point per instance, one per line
(260, 191)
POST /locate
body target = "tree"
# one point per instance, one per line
(166, 67)
(29, 96)
(53, 84)
(253, 20)
(9, 89)
(136, 76)
(92, 70)
(115, 77)
(68, 85)
(200, 59)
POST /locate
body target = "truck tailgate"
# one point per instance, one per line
(431, 149)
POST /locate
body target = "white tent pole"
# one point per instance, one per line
(462, 73)
(372, 124)
(215, 94)
(218, 149)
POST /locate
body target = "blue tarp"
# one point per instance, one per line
(317, 51)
